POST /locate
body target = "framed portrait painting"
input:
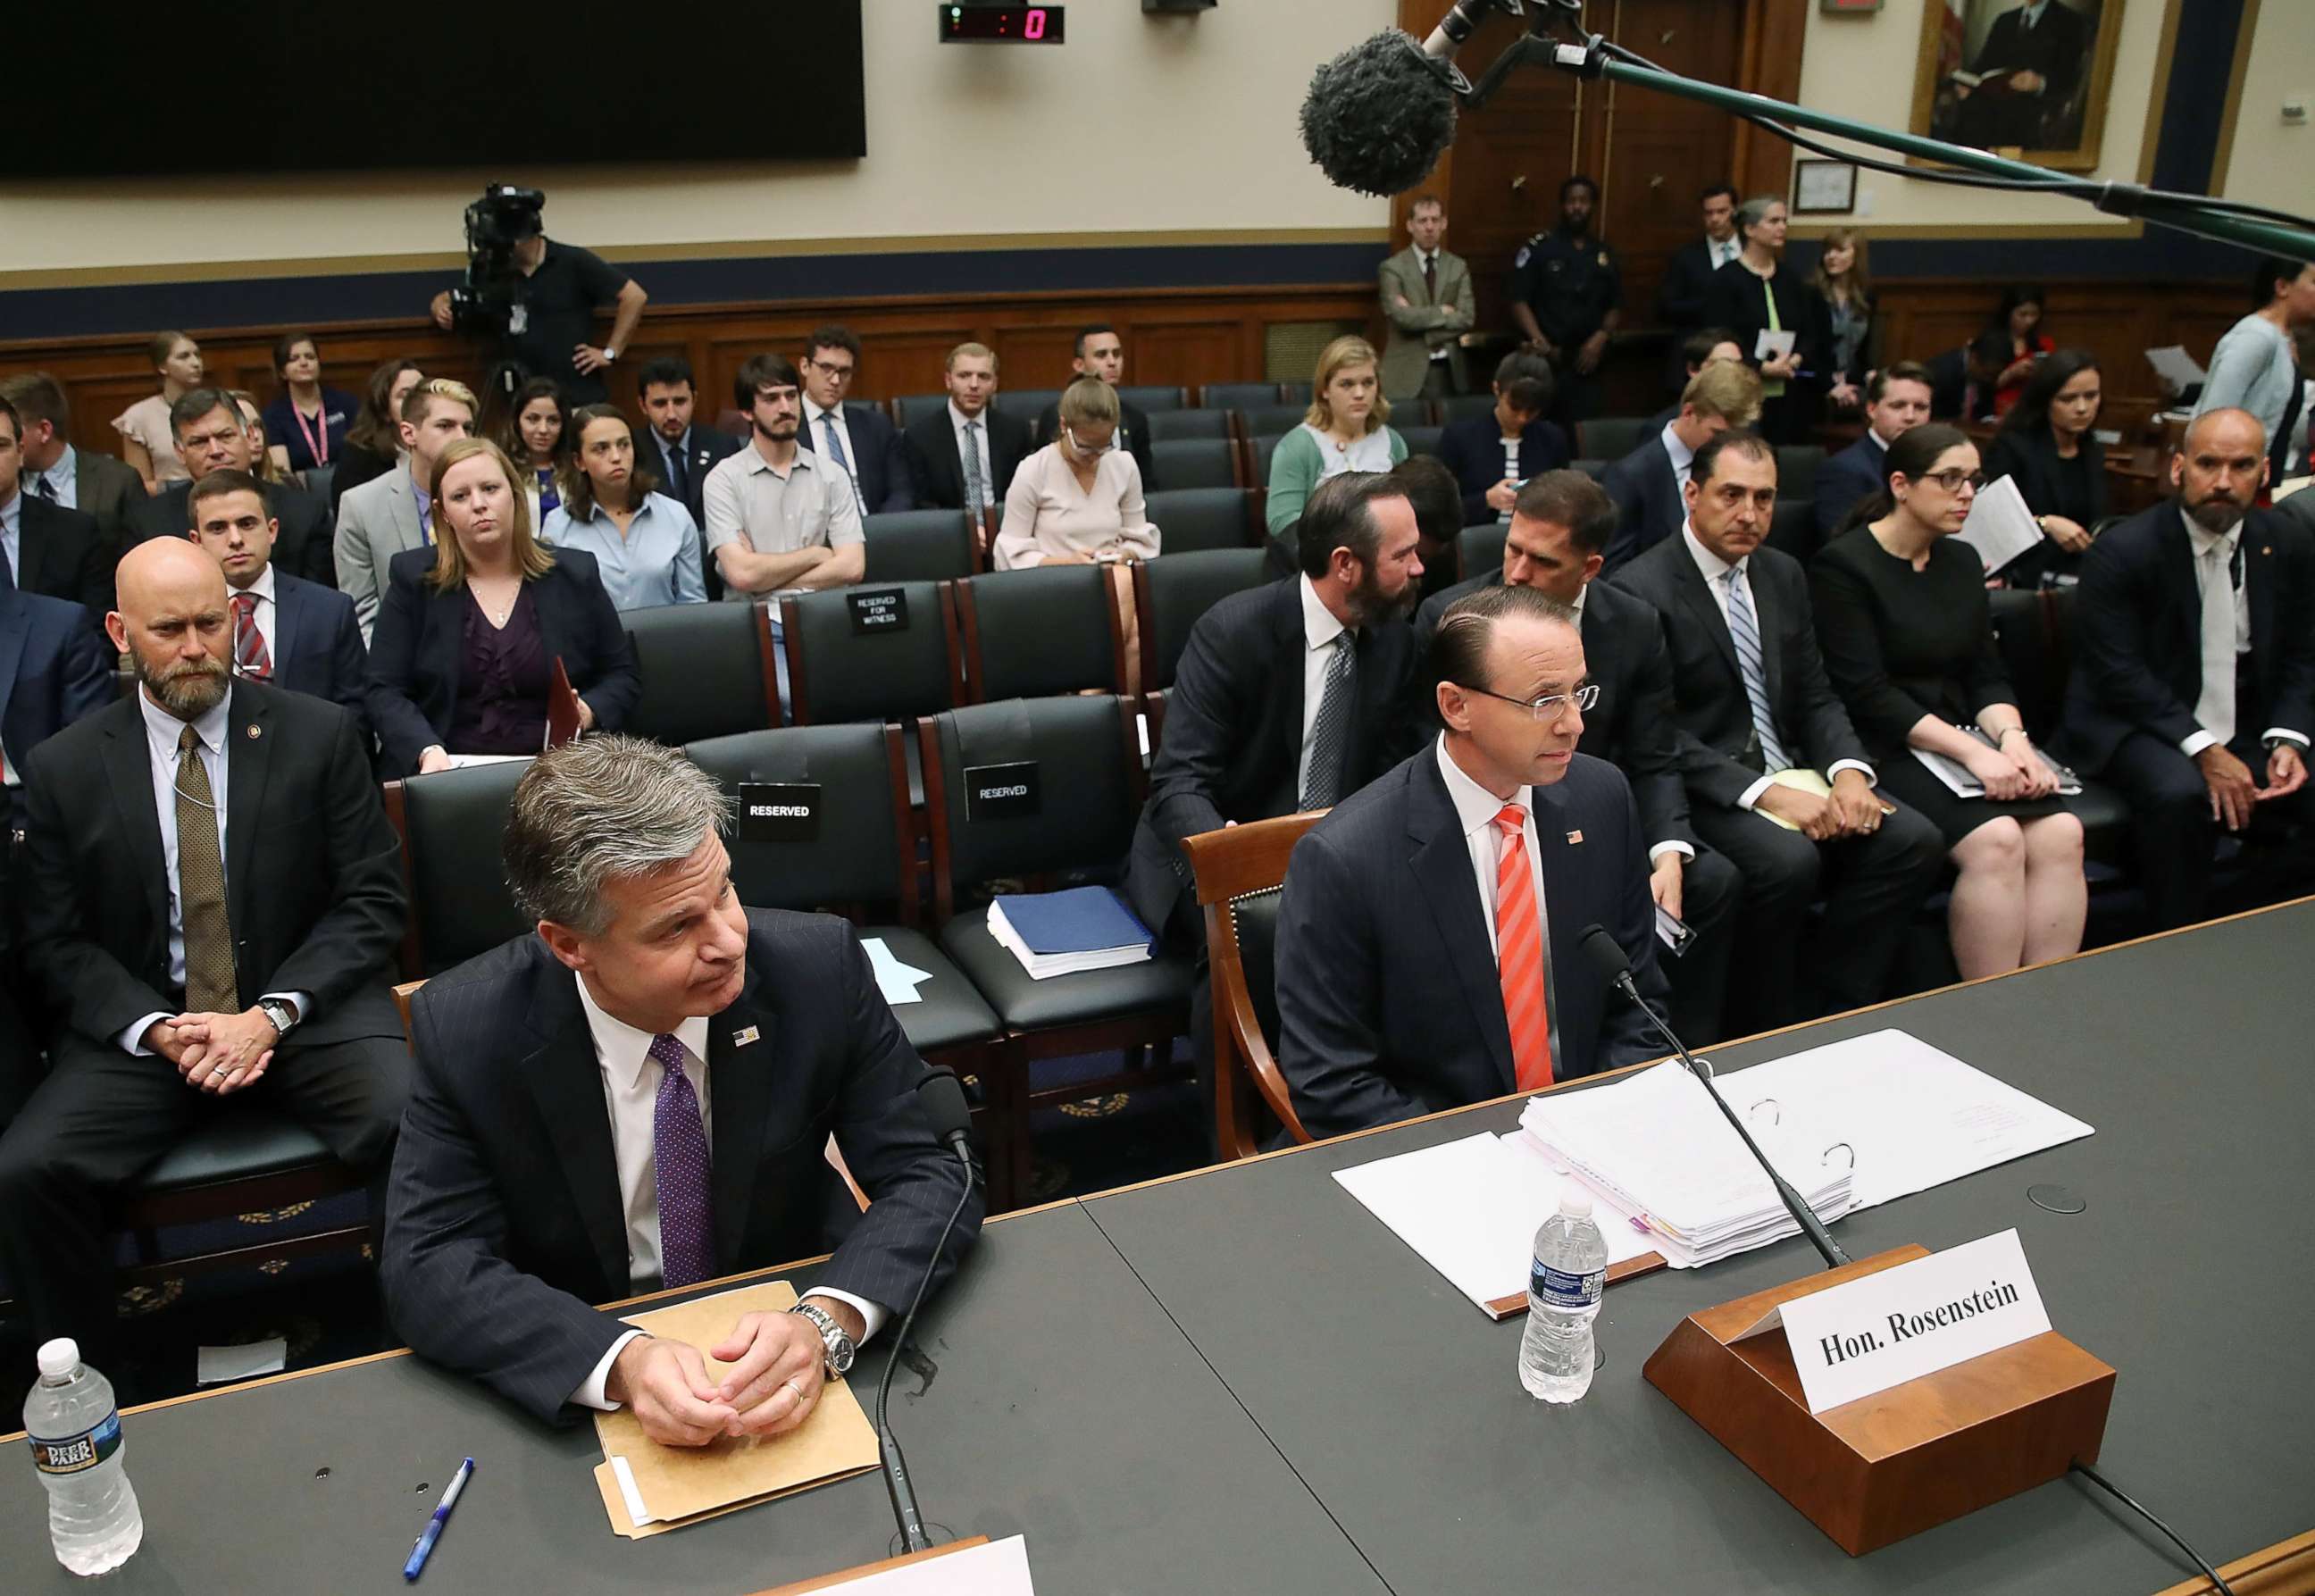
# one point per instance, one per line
(2026, 79)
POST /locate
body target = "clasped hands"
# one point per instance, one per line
(1853, 810)
(2013, 770)
(217, 1053)
(777, 1369)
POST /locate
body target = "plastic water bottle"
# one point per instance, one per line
(74, 1428)
(1563, 1298)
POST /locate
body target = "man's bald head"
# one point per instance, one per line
(2219, 468)
(173, 622)
(2230, 429)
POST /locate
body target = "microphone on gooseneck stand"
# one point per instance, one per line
(945, 1105)
(1607, 956)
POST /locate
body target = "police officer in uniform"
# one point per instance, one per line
(1566, 294)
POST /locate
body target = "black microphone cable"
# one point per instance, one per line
(2089, 1472)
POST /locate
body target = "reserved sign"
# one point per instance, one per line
(1866, 1336)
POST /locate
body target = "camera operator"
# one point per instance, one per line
(538, 297)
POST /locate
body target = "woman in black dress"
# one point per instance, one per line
(2048, 446)
(1908, 640)
(1756, 293)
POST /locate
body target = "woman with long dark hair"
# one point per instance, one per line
(2013, 342)
(2048, 446)
(373, 442)
(644, 543)
(306, 419)
(534, 429)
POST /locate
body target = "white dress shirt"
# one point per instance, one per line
(956, 423)
(1713, 570)
(1683, 457)
(63, 478)
(265, 615)
(631, 1082)
(1319, 630)
(1723, 250)
(2208, 547)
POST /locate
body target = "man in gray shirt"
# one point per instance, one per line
(775, 518)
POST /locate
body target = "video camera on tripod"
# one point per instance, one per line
(489, 300)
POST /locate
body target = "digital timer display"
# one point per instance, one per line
(1001, 25)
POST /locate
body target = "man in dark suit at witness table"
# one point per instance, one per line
(1754, 705)
(1429, 940)
(1560, 523)
(641, 1095)
(214, 905)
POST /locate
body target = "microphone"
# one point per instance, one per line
(1607, 956)
(1378, 115)
(944, 1103)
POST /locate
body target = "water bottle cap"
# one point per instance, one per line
(1575, 1201)
(59, 1358)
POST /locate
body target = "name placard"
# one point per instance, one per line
(1866, 1336)
(778, 811)
(1001, 792)
(878, 609)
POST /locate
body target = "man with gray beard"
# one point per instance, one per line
(214, 903)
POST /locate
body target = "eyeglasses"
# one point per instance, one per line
(1070, 433)
(1547, 707)
(1954, 482)
(836, 373)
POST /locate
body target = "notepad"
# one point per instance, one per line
(1064, 932)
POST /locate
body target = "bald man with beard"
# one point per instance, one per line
(214, 903)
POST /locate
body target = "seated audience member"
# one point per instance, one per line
(1346, 429)
(1492, 455)
(1425, 295)
(1648, 484)
(1907, 635)
(1896, 399)
(777, 517)
(373, 442)
(469, 630)
(173, 999)
(53, 671)
(2048, 446)
(268, 461)
(48, 549)
(603, 1055)
(2006, 352)
(684, 448)
(1560, 527)
(1762, 739)
(147, 441)
(288, 632)
(306, 419)
(646, 547)
(962, 455)
(1757, 293)
(212, 433)
(1101, 353)
(55, 470)
(1438, 503)
(2197, 698)
(532, 428)
(1707, 346)
(2256, 365)
(395, 513)
(1841, 283)
(1077, 500)
(1497, 845)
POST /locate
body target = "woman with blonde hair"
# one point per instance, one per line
(147, 442)
(469, 631)
(1347, 428)
(1077, 500)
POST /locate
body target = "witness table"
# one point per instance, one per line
(1240, 1381)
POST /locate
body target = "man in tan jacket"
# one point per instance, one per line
(1426, 297)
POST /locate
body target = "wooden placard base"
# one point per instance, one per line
(838, 1580)
(1504, 1307)
(1885, 1467)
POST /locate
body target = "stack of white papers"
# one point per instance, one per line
(2000, 526)
(2177, 368)
(1658, 1149)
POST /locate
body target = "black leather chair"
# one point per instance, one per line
(450, 824)
(1272, 421)
(1151, 399)
(1422, 440)
(1611, 437)
(1191, 520)
(1796, 465)
(245, 1163)
(1597, 470)
(1087, 755)
(1454, 407)
(907, 408)
(1196, 463)
(707, 670)
(1025, 404)
(1176, 426)
(1792, 530)
(918, 546)
(844, 668)
(2028, 629)
(1258, 454)
(1479, 549)
(1047, 629)
(1173, 591)
(1295, 393)
(1239, 396)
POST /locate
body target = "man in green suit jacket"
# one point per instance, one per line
(1427, 300)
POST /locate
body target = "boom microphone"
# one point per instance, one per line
(1379, 114)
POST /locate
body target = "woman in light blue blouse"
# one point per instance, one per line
(645, 544)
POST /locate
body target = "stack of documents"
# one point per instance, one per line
(1961, 783)
(1658, 1150)
(1064, 932)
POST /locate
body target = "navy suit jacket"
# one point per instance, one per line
(53, 671)
(1648, 504)
(61, 554)
(317, 645)
(1390, 1004)
(503, 1220)
(1846, 479)
(935, 470)
(415, 654)
(1473, 449)
(306, 545)
(703, 446)
(882, 467)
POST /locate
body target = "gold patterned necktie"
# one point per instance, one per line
(210, 984)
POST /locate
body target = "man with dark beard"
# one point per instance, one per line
(213, 904)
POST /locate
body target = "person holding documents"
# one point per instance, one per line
(1428, 936)
(470, 629)
(2193, 681)
(1780, 321)
(1907, 634)
(1777, 778)
(2048, 446)
(641, 1095)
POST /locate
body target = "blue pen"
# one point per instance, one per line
(433, 1531)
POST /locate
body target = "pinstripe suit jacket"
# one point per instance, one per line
(503, 1220)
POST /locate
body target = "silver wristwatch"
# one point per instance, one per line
(283, 1016)
(838, 1350)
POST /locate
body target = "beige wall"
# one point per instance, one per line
(2270, 161)
(1861, 66)
(1138, 125)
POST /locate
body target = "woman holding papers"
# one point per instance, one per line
(1905, 629)
(2047, 447)
(1757, 298)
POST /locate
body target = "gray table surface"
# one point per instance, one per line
(1398, 1403)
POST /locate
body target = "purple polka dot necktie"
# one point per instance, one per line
(687, 1247)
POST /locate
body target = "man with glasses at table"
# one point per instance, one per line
(1429, 937)
(853, 434)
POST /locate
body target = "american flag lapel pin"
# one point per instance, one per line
(742, 1037)
(1574, 837)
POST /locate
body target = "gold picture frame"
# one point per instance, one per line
(1971, 51)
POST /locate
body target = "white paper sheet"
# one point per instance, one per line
(1774, 343)
(2176, 366)
(216, 1365)
(897, 981)
(1000, 1568)
(467, 761)
(2000, 526)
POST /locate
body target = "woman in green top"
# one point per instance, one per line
(1347, 430)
